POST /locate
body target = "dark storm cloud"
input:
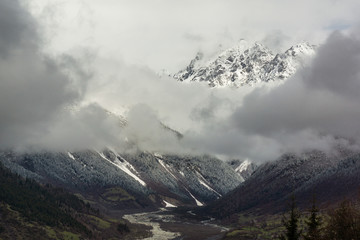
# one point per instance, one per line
(16, 27)
(337, 66)
(31, 86)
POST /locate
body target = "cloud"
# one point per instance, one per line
(275, 40)
(86, 127)
(336, 67)
(156, 34)
(193, 37)
(32, 88)
(56, 102)
(144, 131)
(40, 95)
(314, 108)
(17, 28)
(60, 102)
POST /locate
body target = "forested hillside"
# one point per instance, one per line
(29, 210)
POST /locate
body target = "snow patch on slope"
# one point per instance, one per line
(198, 203)
(166, 167)
(205, 183)
(169, 205)
(71, 156)
(243, 166)
(124, 167)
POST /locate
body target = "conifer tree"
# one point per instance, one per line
(313, 223)
(292, 224)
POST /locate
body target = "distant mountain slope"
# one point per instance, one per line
(246, 64)
(270, 186)
(151, 178)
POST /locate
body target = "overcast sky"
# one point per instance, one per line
(168, 33)
(65, 63)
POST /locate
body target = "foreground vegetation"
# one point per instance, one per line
(341, 222)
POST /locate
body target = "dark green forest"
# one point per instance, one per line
(29, 210)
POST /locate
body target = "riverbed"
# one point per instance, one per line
(166, 225)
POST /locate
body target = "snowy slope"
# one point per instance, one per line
(177, 180)
(243, 168)
(331, 177)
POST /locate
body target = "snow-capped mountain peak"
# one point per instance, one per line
(246, 64)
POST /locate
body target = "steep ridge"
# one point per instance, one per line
(246, 64)
(268, 189)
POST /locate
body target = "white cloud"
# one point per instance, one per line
(156, 33)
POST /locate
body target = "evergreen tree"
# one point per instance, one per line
(292, 224)
(313, 223)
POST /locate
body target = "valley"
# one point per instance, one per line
(250, 139)
(254, 208)
(170, 225)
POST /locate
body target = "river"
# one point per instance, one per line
(166, 226)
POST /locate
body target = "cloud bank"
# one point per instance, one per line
(166, 34)
(32, 88)
(72, 101)
(315, 109)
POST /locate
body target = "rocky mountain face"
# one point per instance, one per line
(268, 189)
(153, 179)
(246, 64)
(243, 168)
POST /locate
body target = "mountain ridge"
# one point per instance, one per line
(179, 180)
(246, 64)
(330, 177)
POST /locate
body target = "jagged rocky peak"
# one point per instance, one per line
(246, 64)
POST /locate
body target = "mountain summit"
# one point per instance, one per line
(246, 64)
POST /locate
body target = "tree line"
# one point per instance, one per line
(46, 205)
(340, 223)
